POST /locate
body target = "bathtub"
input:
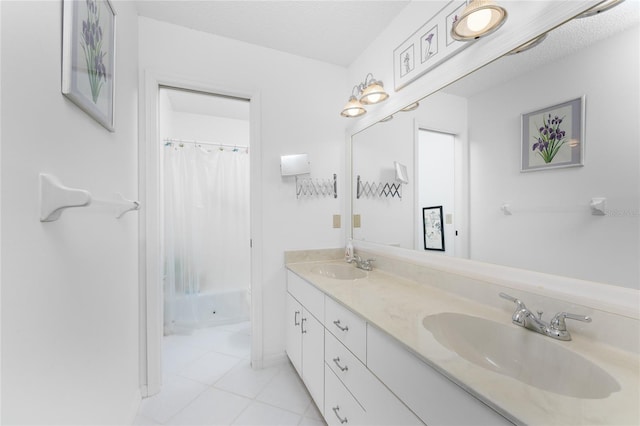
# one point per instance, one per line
(207, 310)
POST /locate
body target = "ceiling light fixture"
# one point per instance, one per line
(529, 45)
(478, 19)
(602, 7)
(410, 107)
(371, 91)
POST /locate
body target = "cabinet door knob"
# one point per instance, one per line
(336, 360)
(335, 410)
(337, 323)
(302, 326)
(295, 318)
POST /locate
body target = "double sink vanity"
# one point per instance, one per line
(377, 347)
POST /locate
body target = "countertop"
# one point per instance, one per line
(398, 306)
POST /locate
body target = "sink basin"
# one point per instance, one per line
(339, 272)
(521, 354)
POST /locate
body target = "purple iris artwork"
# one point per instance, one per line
(550, 138)
(428, 39)
(91, 43)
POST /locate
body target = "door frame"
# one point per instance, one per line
(461, 185)
(150, 221)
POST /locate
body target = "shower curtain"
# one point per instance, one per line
(206, 227)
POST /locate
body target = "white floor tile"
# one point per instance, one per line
(240, 327)
(258, 413)
(313, 412)
(226, 342)
(177, 355)
(141, 420)
(173, 397)
(286, 391)
(245, 381)
(208, 380)
(209, 368)
(306, 421)
(213, 407)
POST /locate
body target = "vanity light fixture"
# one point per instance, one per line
(602, 7)
(353, 108)
(529, 45)
(478, 19)
(371, 91)
(411, 107)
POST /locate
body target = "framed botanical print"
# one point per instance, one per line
(88, 57)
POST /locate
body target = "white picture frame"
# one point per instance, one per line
(428, 46)
(89, 58)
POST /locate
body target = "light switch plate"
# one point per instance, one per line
(448, 219)
(356, 221)
(336, 221)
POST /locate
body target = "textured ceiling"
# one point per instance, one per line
(572, 36)
(330, 31)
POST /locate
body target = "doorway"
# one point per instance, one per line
(436, 186)
(205, 215)
(210, 286)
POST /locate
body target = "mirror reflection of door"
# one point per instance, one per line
(435, 157)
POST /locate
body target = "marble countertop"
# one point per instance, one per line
(398, 306)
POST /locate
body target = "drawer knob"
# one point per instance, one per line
(336, 360)
(335, 410)
(337, 323)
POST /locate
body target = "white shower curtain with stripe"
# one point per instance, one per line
(206, 227)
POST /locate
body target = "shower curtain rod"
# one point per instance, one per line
(173, 140)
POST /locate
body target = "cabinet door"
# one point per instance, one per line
(293, 334)
(313, 356)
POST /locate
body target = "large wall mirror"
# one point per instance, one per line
(467, 194)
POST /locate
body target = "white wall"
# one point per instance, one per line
(292, 122)
(69, 288)
(584, 246)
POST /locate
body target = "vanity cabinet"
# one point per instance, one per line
(433, 397)
(360, 375)
(305, 334)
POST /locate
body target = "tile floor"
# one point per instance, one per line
(208, 381)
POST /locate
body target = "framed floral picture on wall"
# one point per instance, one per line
(553, 137)
(88, 57)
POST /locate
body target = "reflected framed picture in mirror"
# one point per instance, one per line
(553, 137)
(433, 230)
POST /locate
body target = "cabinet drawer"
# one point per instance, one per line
(340, 407)
(432, 396)
(345, 365)
(348, 327)
(380, 405)
(309, 296)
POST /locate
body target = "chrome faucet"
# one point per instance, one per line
(556, 328)
(361, 263)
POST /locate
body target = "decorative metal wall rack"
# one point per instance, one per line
(382, 189)
(310, 187)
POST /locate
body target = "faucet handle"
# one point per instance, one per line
(557, 322)
(515, 300)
